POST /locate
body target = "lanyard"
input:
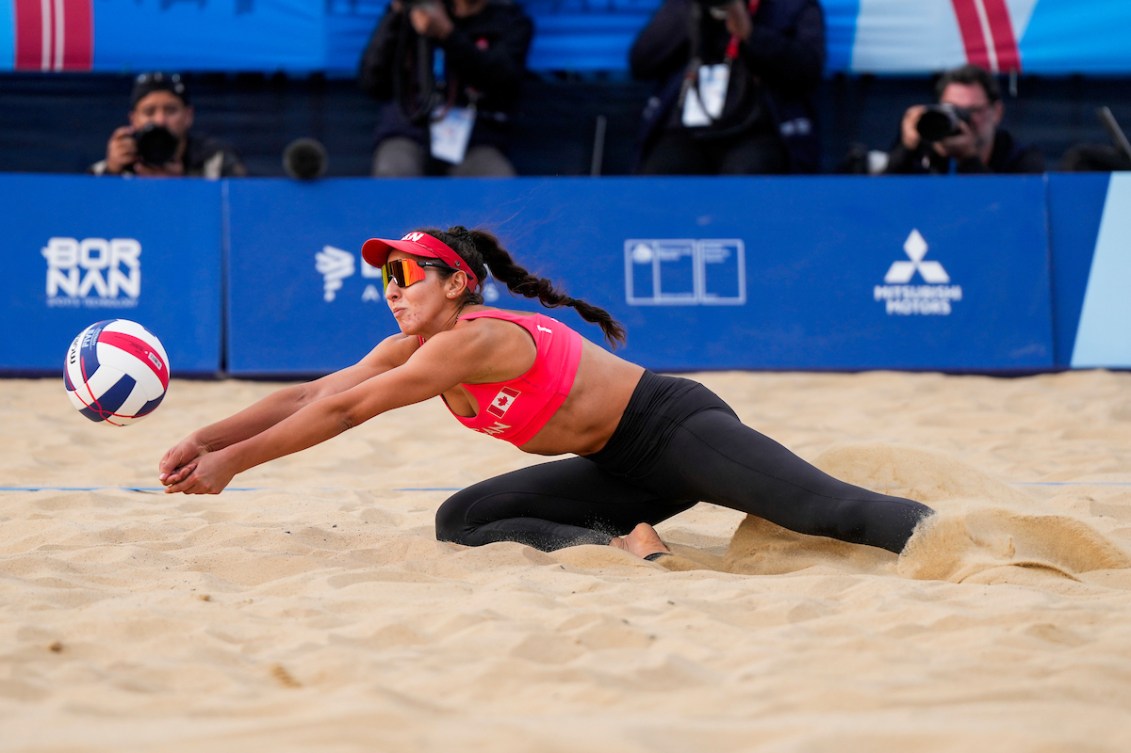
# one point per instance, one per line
(732, 45)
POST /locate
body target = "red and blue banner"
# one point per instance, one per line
(1034, 36)
(1057, 37)
(52, 35)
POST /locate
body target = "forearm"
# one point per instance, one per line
(254, 419)
(304, 428)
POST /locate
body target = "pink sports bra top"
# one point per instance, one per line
(516, 409)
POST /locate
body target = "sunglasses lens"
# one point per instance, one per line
(404, 272)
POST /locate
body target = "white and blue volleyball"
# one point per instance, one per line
(116, 372)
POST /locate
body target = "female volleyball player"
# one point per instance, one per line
(646, 446)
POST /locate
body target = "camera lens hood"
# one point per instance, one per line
(156, 144)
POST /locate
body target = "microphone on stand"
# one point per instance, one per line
(305, 159)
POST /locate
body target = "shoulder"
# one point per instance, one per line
(201, 144)
(490, 327)
(526, 319)
(474, 350)
(395, 349)
(204, 151)
(1010, 155)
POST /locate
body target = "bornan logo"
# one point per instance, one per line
(903, 298)
(93, 272)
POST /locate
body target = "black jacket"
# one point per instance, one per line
(484, 61)
(785, 53)
(1007, 156)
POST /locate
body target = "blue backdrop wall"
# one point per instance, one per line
(262, 277)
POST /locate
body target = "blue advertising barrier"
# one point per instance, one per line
(706, 273)
(81, 249)
(709, 273)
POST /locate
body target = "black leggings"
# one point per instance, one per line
(677, 444)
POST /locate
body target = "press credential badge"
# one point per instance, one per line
(706, 108)
(450, 134)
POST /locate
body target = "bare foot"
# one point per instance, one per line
(643, 542)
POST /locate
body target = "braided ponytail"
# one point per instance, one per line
(481, 250)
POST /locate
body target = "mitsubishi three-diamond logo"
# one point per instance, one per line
(901, 272)
(899, 294)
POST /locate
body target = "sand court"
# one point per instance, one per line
(309, 607)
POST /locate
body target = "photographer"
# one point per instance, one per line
(736, 84)
(448, 77)
(157, 143)
(962, 133)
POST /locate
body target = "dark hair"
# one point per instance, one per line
(482, 250)
(970, 75)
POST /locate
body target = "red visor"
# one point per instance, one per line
(376, 251)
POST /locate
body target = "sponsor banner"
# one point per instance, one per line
(78, 250)
(866, 36)
(718, 273)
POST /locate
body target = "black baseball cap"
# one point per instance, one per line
(147, 83)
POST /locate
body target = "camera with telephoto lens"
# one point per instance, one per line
(156, 144)
(941, 121)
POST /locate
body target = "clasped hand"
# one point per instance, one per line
(190, 469)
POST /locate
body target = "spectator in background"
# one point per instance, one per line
(159, 142)
(736, 81)
(1094, 158)
(447, 76)
(1091, 157)
(961, 134)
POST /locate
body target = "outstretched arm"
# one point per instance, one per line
(292, 419)
(180, 459)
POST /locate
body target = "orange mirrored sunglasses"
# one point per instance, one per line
(406, 272)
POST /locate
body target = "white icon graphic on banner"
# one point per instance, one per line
(334, 265)
(901, 298)
(685, 271)
(901, 272)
